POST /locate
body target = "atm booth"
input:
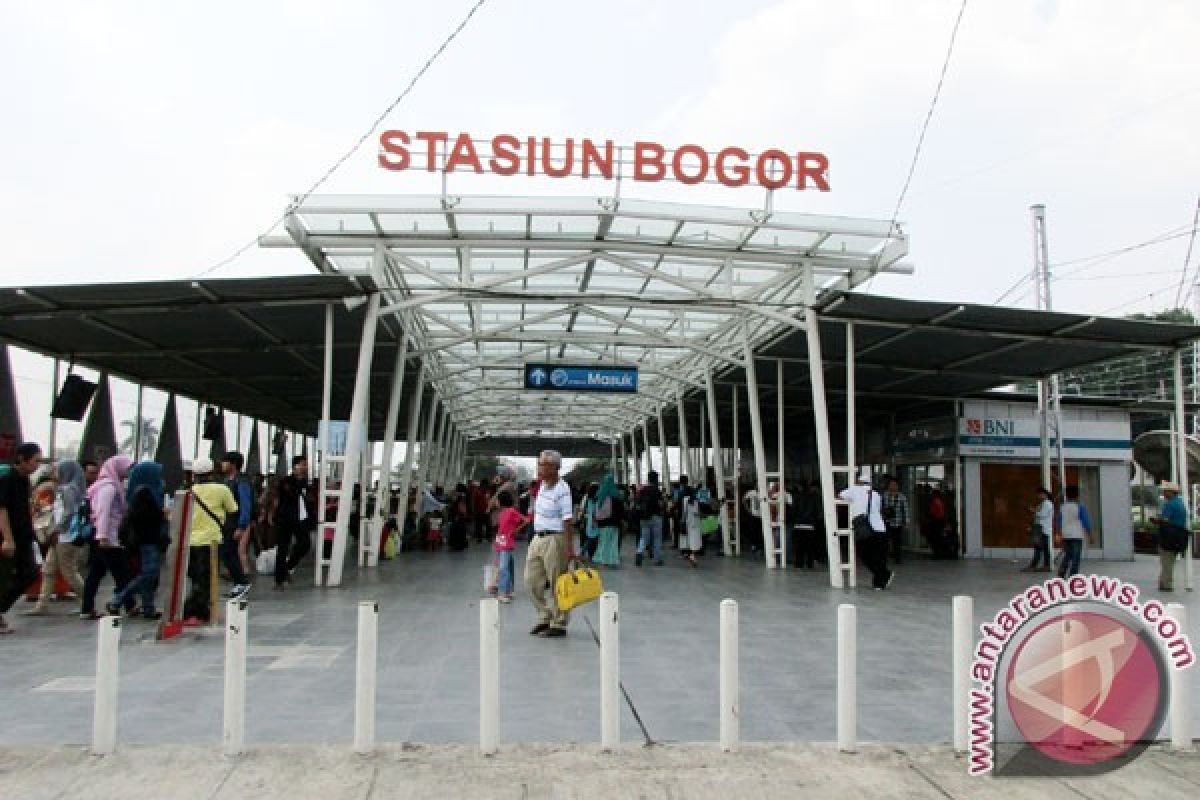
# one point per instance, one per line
(985, 460)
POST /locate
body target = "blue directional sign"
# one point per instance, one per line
(569, 378)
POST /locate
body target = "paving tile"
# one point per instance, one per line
(301, 658)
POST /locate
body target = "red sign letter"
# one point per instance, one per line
(740, 172)
(506, 160)
(760, 169)
(463, 152)
(395, 150)
(815, 166)
(431, 139)
(677, 164)
(645, 156)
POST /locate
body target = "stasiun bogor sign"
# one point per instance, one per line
(505, 154)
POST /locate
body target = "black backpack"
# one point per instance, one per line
(649, 502)
(618, 510)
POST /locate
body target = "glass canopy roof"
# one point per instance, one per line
(486, 284)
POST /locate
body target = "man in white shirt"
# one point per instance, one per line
(550, 547)
(872, 549)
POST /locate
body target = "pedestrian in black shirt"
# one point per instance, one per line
(293, 522)
(17, 565)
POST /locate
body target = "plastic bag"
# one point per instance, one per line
(265, 563)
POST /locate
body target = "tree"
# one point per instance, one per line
(149, 441)
(590, 470)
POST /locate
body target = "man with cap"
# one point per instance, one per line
(1174, 513)
(866, 514)
(214, 503)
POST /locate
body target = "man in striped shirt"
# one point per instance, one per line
(895, 516)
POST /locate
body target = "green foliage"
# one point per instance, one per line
(590, 470)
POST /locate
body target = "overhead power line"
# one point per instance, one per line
(1187, 258)
(937, 93)
(328, 173)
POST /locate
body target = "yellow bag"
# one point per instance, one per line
(577, 587)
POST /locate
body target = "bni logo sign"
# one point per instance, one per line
(1072, 678)
(990, 427)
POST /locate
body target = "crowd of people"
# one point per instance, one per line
(66, 526)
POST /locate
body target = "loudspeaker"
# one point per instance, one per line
(214, 423)
(72, 402)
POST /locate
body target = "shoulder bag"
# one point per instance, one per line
(862, 523)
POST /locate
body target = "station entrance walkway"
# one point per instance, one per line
(302, 648)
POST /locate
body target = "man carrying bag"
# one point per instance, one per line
(870, 534)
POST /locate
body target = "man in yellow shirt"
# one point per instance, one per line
(213, 502)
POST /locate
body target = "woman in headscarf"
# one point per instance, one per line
(107, 499)
(607, 521)
(60, 554)
(147, 534)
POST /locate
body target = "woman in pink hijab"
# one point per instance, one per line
(107, 499)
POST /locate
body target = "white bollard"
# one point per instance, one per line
(489, 675)
(1181, 690)
(104, 719)
(610, 672)
(729, 675)
(963, 639)
(847, 688)
(233, 735)
(364, 684)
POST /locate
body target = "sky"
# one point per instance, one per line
(151, 140)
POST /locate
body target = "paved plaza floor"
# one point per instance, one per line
(562, 772)
(302, 653)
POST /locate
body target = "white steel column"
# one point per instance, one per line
(624, 476)
(410, 448)
(637, 455)
(664, 476)
(737, 476)
(437, 445)
(783, 493)
(760, 450)
(646, 441)
(355, 440)
(718, 492)
(1181, 468)
(52, 448)
(685, 459)
(322, 445)
(383, 493)
(816, 373)
(137, 429)
(433, 421)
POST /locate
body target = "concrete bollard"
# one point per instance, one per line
(104, 712)
(1181, 691)
(489, 675)
(963, 638)
(729, 675)
(610, 675)
(847, 688)
(233, 734)
(364, 684)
